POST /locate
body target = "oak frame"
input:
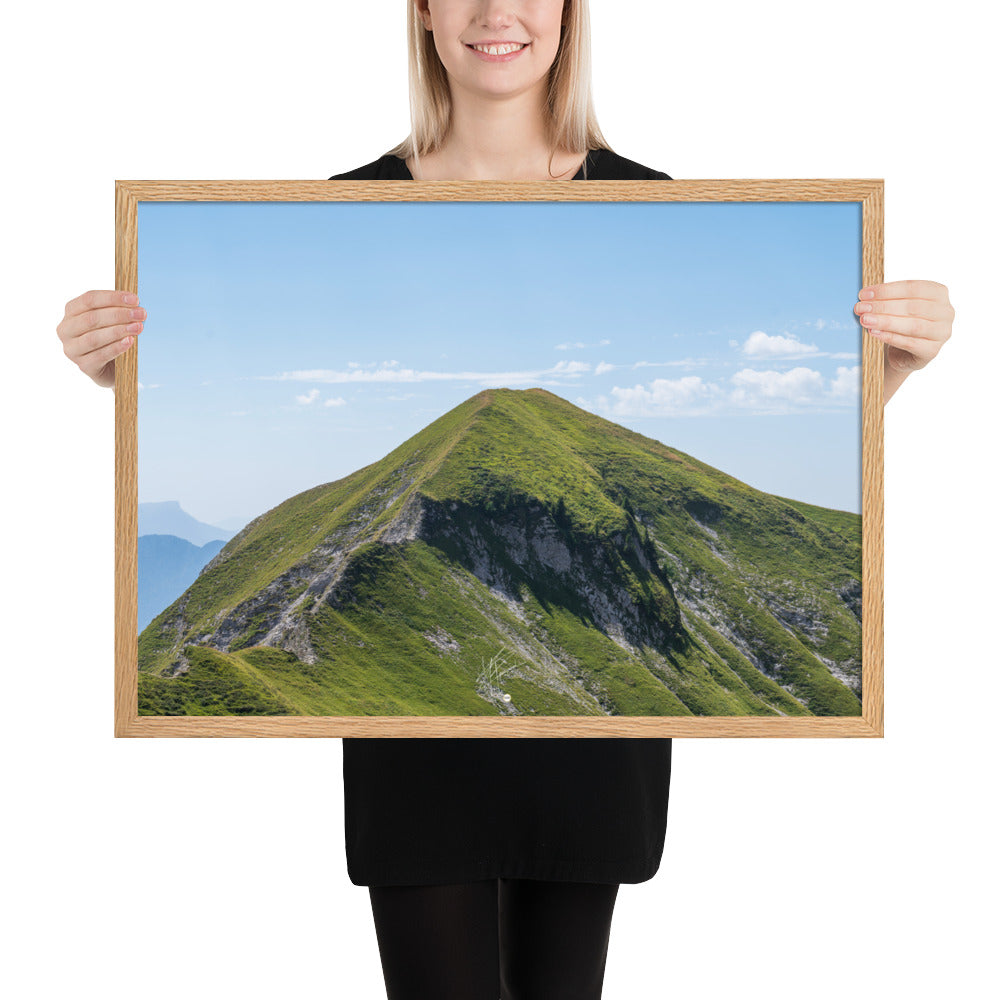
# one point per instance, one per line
(868, 193)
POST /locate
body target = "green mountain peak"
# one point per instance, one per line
(620, 576)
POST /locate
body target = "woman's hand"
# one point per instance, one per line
(912, 318)
(97, 327)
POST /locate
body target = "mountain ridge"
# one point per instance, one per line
(167, 517)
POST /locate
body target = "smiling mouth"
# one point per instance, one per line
(499, 50)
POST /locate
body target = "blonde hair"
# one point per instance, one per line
(571, 123)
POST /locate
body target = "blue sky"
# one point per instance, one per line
(289, 344)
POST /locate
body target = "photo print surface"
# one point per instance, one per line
(499, 458)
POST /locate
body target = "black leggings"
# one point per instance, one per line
(513, 939)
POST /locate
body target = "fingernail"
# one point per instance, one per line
(863, 307)
(127, 342)
(130, 299)
(137, 314)
(866, 293)
(133, 327)
(868, 320)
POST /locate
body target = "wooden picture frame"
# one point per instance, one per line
(865, 195)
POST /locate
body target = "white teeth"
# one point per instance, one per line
(497, 50)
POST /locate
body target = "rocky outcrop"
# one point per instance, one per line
(850, 594)
(277, 615)
(522, 547)
(614, 581)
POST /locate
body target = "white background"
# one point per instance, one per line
(215, 868)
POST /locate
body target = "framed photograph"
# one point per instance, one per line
(499, 459)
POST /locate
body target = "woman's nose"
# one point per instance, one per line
(496, 13)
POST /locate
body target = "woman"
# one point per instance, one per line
(493, 865)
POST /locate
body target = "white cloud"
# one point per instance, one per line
(827, 324)
(769, 388)
(571, 368)
(847, 384)
(308, 397)
(762, 345)
(392, 373)
(799, 390)
(578, 345)
(663, 397)
(680, 363)
(339, 401)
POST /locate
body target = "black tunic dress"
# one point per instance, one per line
(442, 810)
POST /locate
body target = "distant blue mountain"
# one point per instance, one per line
(167, 567)
(169, 518)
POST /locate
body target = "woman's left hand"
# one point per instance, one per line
(912, 318)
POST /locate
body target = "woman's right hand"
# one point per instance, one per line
(97, 327)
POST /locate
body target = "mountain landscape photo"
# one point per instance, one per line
(523, 556)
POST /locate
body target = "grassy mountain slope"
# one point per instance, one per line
(622, 577)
